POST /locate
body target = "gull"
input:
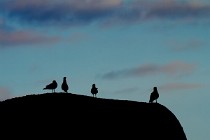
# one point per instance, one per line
(154, 95)
(94, 90)
(51, 86)
(64, 85)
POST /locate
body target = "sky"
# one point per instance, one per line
(125, 47)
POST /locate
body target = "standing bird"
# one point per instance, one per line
(94, 90)
(154, 95)
(52, 86)
(64, 85)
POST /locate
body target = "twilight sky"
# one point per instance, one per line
(125, 47)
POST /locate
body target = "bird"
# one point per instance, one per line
(64, 85)
(154, 95)
(94, 90)
(51, 86)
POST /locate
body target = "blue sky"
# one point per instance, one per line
(125, 47)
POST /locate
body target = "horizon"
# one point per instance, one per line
(125, 47)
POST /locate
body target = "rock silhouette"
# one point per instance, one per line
(78, 116)
(154, 95)
(94, 90)
(64, 85)
(52, 86)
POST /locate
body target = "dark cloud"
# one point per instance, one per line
(171, 69)
(68, 12)
(4, 26)
(178, 9)
(59, 12)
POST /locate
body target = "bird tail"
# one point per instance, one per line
(150, 101)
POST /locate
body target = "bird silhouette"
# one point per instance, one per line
(64, 85)
(51, 86)
(154, 95)
(94, 90)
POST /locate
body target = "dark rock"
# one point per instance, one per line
(77, 116)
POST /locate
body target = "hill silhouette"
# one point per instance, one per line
(80, 116)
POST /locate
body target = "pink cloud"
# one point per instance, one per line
(127, 90)
(1, 21)
(5, 93)
(180, 86)
(77, 37)
(94, 4)
(24, 38)
(34, 68)
(177, 68)
(23, 3)
(189, 45)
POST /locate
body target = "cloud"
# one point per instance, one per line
(80, 12)
(34, 68)
(180, 46)
(94, 4)
(59, 12)
(174, 9)
(4, 26)
(1, 22)
(127, 90)
(177, 68)
(5, 94)
(180, 86)
(77, 37)
(15, 38)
